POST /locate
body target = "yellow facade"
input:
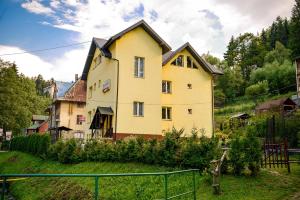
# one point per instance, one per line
(67, 116)
(198, 98)
(190, 108)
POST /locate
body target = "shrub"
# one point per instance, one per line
(259, 88)
(237, 155)
(253, 153)
(70, 152)
(34, 144)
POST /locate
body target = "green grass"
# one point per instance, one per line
(275, 184)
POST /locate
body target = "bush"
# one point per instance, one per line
(253, 153)
(259, 88)
(70, 152)
(237, 155)
(34, 144)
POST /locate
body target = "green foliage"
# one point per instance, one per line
(279, 54)
(280, 77)
(253, 153)
(19, 99)
(257, 89)
(294, 30)
(237, 155)
(70, 152)
(34, 144)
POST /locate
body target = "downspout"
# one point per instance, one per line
(117, 98)
(212, 106)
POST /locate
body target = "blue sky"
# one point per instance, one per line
(37, 24)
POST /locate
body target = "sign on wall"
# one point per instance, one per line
(106, 86)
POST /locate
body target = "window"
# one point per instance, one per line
(97, 60)
(190, 111)
(80, 105)
(99, 83)
(138, 109)
(79, 135)
(178, 61)
(191, 63)
(189, 85)
(166, 86)
(79, 119)
(166, 113)
(139, 67)
(90, 91)
(90, 116)
(94, 86)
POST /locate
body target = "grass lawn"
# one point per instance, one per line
(270, 184)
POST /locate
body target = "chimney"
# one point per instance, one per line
(76, 77)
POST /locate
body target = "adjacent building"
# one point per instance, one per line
(137, 86)
(40, 124)
(67, 112)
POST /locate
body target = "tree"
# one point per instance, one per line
(231, 53)
(294, 39)
(279, 54)
(211, 59)
(19, 99)
(40, 84)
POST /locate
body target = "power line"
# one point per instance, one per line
(46, 49)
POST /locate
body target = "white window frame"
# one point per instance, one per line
(165, 112)
(139, 67)
(138, 109)
(166, 87)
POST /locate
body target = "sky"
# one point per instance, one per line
(28, 25)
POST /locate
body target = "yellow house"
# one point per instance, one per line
(67, 112)
(137, 86)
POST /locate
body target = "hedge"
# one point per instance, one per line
(34, 144)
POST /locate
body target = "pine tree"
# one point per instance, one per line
(294, 39)
(230, 54)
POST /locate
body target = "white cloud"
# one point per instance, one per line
(177, 21)
(62, 68)
(36, 7)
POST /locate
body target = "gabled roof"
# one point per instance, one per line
(275, 103)
(77, 92)
(39, 117)
(104, 45)
(62, 87)
(147, 28)
(207, 67)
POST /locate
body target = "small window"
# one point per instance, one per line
(79, 120)
(189, 85)
(80, 105)
(190, 111)
(99, 83)
(189, 62)
(94, 86)
(138, 109)
(97, 60)
(178, 61)
(166, 113)
(90, 116)
(90, 91)
(166, 86)
(139, 67)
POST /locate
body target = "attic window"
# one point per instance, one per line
(178, 61)
(190, 111)
(97, 60)
(191, 63)
(189, 85)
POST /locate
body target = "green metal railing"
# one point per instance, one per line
(5, 179)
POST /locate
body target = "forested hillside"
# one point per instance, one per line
(260, 64)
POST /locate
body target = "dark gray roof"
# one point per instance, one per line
(207, 67)
(105, 110)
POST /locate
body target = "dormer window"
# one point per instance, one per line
(178, 61)
(190, 63)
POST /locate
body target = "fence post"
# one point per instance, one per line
(3, 188)
(166, 186)
(194, 185)
(96, 187)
